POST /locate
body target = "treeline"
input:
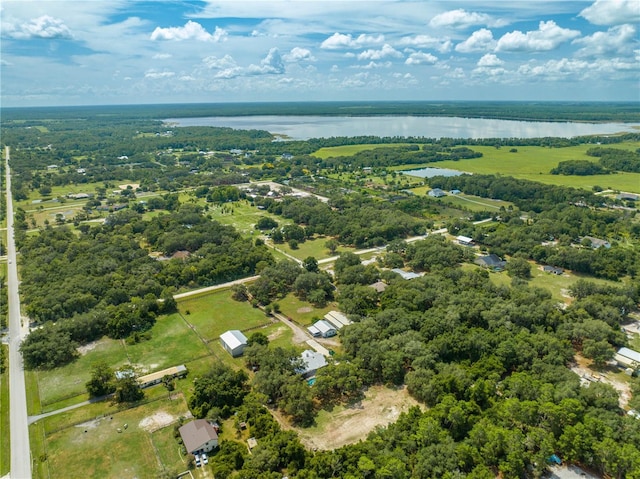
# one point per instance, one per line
(617, 159)
(526, 195)
(579, 168)
(105, 278)
(545, 111)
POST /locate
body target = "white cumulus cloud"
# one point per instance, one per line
(44, 26)
(548, 36)
(620, 39)
(385, 52)
(479, 41)
(341, 41)
(421, 58)
(156, 74)
(612, 12)
(490, 60)
(216, 63)
(161, 56)
(460, 18)
(191, 31)
(271, 64)
(298, 54)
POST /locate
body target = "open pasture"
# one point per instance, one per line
(214, 313)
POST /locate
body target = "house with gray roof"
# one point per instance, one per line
(311, 362)
(198, 436)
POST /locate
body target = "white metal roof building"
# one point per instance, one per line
(337, 319)
(628, 358)
(325, 328)
(234, 342)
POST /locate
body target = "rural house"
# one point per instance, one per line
(491, 261)
(234, 342)
(436, 193)
(311, 362)
(199, 436)
(628, 358)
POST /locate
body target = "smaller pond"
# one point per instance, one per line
(430, 172)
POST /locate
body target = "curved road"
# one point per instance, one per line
(20, 449)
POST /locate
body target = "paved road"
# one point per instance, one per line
(18, 330)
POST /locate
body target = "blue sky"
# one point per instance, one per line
(93, 52)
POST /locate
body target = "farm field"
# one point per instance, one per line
(534, 163)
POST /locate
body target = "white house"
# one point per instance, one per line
(436, 193)
(234, 342)
(199, 436)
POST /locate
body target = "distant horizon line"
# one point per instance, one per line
(336, 102)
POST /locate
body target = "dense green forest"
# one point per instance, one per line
(546, 111)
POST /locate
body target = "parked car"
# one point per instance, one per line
(197, 460)
(205, 459)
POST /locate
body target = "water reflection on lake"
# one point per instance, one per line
(305, 127)
(430, 172)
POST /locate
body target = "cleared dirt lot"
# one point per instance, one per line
(347, 425)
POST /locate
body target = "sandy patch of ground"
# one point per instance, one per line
(348, 425)
(276, 334)
(89, 424)
(156, 421)
(305, 309)
(134, 186)
(582, 369)
(85, 348)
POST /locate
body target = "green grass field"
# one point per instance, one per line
(534, 163)
(213, 314)
(313, 247)
(96, 449)
(5, 445)
(302, 312)
(243, 216)
(163, 350)
(348, 150)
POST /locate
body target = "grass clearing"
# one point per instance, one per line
(5, 444)
(312, 247)
(302, 312)
(96, 449)
(163, 350)
(242, 216)
(213, 314)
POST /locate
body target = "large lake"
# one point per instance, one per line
(305, 127)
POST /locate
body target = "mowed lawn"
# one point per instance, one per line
(303, 312)
(172, 343)
(312, 247)
(96, 449)
(214, 313)
(535, 162)
(242, 216)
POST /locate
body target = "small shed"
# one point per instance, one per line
(199, 436)
(464, 240)
(552, 270)
(234, 342)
